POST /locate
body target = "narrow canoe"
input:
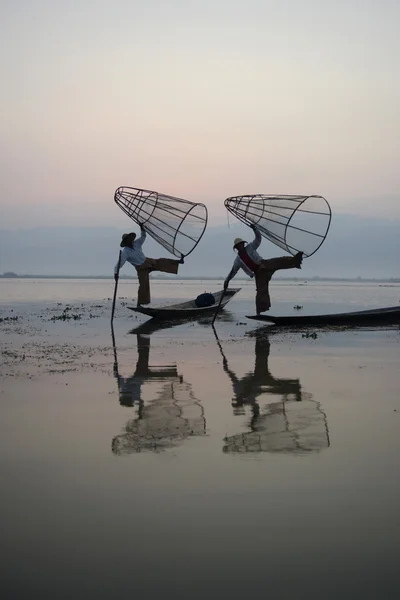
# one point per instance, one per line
(188, 309)
(378, 316)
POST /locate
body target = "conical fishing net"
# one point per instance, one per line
(176, 224)
(294, 223)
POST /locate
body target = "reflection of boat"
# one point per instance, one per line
(186, 309)
(379, 316)
(153, 325)
(292, 422)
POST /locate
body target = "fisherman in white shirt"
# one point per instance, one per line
(261, 269)
(133, 253)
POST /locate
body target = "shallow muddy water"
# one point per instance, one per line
(190, 462)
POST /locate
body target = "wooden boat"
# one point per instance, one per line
(378, 316)
(188, 309)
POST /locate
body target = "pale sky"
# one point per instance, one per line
(199, 99)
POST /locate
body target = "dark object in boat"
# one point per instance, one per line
(204, 300)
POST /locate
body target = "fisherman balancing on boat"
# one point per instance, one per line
(133, 253)
(261, 269)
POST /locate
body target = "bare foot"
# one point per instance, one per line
(299, 259)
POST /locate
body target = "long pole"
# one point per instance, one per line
(115, 368)
(115, 287)
(219, 343)
(218, 307)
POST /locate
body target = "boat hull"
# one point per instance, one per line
(186, 310)
(379, 316)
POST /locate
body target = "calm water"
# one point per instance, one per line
(313, 296)
(182, 464)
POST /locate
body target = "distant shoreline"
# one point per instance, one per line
(207, 278)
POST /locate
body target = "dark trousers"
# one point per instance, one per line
(165, 265)
(263, 275)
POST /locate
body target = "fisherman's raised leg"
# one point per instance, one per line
(165, 265)
(283, 262)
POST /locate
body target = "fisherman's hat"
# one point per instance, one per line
(125, 237)
(237, 241)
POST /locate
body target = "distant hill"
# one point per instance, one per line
(355, 247)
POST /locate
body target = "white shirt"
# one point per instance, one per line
(251, 250)
(133, 255)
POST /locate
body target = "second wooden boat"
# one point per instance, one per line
(378, 316)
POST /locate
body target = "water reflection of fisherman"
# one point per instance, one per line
(254, 383)
(294, 423)
(130, 388)
(165, 422)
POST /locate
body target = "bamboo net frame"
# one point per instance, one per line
(294, 223)
(177, 224)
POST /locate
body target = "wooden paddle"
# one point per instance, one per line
(218, 307)
(115, 367)
(116, 285)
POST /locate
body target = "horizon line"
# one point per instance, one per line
(205, 277)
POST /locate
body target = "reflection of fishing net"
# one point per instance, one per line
(173, 417)
(176, 224)
(294, 223)
(287, 427)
